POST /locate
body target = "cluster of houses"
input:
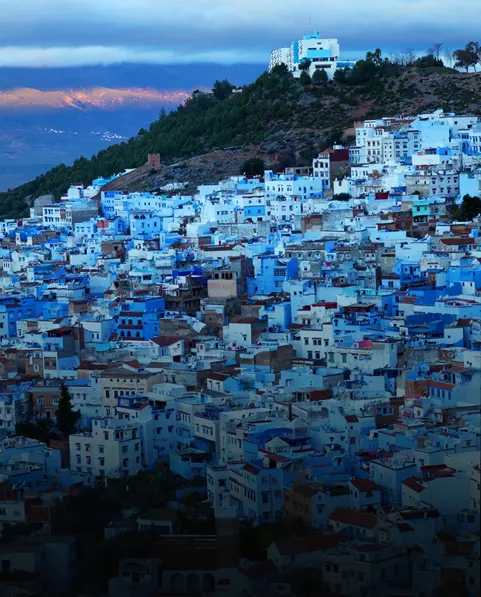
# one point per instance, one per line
(307, 346)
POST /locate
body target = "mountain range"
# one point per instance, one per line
(101, 98)
(52, 116)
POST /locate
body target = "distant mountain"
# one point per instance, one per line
(52, 116)
(103, 98)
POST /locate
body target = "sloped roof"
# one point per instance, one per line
(354, 518)
(414, 485)
(365, 485)
(298, 545)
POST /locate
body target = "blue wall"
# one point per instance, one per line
(295, 48)
(318, 54)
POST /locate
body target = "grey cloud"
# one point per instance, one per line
(187, 28)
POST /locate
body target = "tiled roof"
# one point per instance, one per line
(298, 545)
(440, 384)
(414, 485)
(458, 241)
(404, 527)
(250, 468)
(166, 340)
(365, 485)
(354, 518)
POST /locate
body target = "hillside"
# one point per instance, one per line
(276, 117)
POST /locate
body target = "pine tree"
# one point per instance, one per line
(66, 417)
(319, 77)
(305, 79)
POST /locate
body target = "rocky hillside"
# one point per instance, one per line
(275, 117)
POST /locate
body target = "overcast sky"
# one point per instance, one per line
(90, 32)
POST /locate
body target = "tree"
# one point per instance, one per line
(375, 57)
(253, 167)
(435, 50)
(469, 56)
(281, 69)
(66, 417)
(40, 430)
(305, 64)
(305, 79)
(408, 57)
(341, 75)
(470, 208)
(428, 61)
(319, 77)
(448, 57)
(365, 70)
(222, 90)
(342, 197)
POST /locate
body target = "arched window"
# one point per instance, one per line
(177, 584)
(193, 584)
(208, 583)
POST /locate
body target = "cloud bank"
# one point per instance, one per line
(89, 32)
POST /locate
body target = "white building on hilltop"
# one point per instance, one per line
(321, 53)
